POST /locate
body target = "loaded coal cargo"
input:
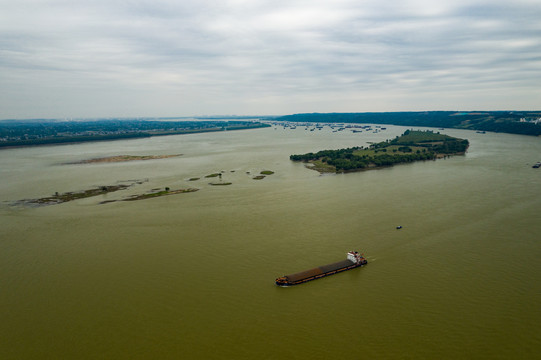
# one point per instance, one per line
(354, 259)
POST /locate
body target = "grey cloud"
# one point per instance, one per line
(237, 54)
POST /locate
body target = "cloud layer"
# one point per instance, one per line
(97, 58)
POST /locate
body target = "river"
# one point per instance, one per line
(191, 276)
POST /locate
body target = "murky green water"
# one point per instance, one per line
(190, 276)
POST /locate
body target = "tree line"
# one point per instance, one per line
(496, 121)
(42, 132)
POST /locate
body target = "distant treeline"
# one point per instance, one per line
(28, 133)
(496, 121)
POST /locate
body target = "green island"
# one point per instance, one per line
(409, 147)
(263, 174)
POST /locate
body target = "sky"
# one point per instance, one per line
(159, 58)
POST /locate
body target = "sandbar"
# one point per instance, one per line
(122, 158)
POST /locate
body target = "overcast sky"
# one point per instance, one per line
(124, 58)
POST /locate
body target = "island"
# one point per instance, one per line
(409, 147)
(263, 174)
(153, 194)
(59, 198)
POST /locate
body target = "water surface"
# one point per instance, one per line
(191, 275)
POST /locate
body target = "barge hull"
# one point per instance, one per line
(317, 273)
(354, 260)
(336, 266)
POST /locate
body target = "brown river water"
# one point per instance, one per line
(191, 276)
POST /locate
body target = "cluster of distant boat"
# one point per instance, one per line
(334, 127)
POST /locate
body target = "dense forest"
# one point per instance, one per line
(520, 122)
(40, 132)
(411, 146)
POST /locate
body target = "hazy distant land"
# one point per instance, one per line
(513, 122)
(16, 133)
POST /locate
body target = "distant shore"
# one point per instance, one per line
(14, 134)
(512, 122)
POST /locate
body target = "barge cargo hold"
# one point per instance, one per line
(354, 260)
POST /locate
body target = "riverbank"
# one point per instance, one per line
(512, 122)
(21, 133)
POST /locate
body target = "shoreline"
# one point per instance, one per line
(78, 139)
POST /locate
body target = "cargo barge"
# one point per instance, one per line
(354, 260)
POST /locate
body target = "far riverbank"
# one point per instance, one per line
(16, 134)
